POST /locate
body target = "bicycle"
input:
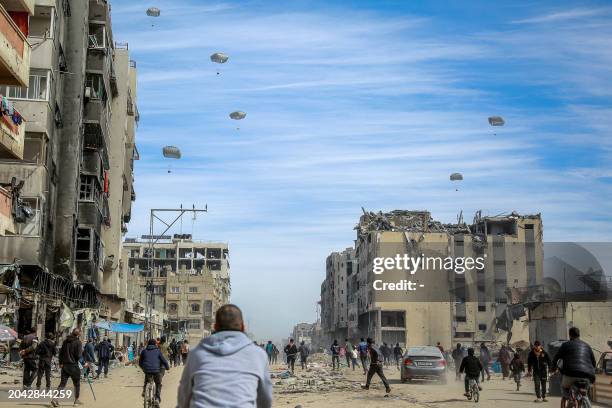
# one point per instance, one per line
(149, 393)
(474, 390)
(578, 396)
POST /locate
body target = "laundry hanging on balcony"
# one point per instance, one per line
(8, 109)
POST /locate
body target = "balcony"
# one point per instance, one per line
(6, 216)
(14, 51)
(12, 138)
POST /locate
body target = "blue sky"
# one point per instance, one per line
(373, 104)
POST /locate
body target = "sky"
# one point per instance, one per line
(365, 104)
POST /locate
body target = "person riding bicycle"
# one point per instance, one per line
(578, 361)
(472, 367)
(151, 361)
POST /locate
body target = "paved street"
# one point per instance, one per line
(122, 390)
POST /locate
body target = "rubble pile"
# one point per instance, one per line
(406, 221)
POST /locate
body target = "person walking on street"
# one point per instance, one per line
(348, 348)
(269, 351)
(275, 353)
(171, 351)
(439, 346)
(335, 353)
(517, 367)
(291, 351)
(538, 365)
(27, 351)
(386, 352)
(457, 358)
(472, 368)
(68, 358)
(89, 357)
(46, 350)
(485, 359)
(165, 350)
(504, 361)
(398, 354)
(363, 355)
(304, 351)
(104, 354)
(184, 351)
(376, 366)
(151, 361)
(226, 369)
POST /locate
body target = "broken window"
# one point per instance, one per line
(89, 189)
(195, 308)
(482, 308)
(84, 244)
(172, 307)
(482, 327)
(392, 319)
(94, 87)
(214, 265)
(214, 253)
(97, 36)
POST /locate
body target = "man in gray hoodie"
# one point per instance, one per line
(226, 369)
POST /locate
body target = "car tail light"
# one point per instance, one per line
(407, 361)
(442, 363)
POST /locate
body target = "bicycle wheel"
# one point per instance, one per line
(476, 393)
(149, 399)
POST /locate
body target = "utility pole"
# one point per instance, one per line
(154, 239)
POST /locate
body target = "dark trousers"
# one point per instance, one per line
(184, 355)
(177, 360)
(71, 371)
(540, 385)
(29, 371)
(485, 368)
(398, 358)
(304, 362)
(103, 363)
(348, 359)
(364, 363)
(335, 360)
(269, 358)
(466, 381)
(291, 363)
(376, 368)
(44, 367)
(505, 370)
(157, 379)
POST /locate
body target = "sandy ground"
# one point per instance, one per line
(123, 387)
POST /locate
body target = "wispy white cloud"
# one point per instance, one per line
(564, 15)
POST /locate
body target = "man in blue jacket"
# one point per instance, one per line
(151, 361)
(226, 369)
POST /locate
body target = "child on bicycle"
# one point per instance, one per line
(151, 361)
(518, 368)
(472, 367)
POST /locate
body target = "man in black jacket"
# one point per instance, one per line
(472, 367)
(104, 354)
(291, 351)
(151, 361)
(538, 363)
(69, 356)
(578, 361)
(376, 366)
(45, 351)
(27, 351)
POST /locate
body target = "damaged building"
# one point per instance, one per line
(451, 307)
(189, 281)
(66, 167)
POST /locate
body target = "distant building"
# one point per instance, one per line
(304, 332)
(189, 280)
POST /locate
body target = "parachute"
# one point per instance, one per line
(496, 121)
(456, 177)
(172, 152)
(238, 115)
(153, 12)
(219, 58)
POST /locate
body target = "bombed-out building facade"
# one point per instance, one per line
(66, 164)
(449, 307)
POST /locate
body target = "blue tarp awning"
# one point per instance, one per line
(120, 327)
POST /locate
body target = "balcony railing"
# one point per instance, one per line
(11, 138)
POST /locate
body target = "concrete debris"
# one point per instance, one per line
(406, 221)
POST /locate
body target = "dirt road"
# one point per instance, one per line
(123, 387)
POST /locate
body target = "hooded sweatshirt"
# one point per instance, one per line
(226, 370)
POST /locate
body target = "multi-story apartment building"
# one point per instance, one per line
(187, 280)
(339, 270)
(451, 307)
(71, 182)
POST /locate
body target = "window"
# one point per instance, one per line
(172, 307)
(31, 226)
(193, 324)
(482, 327)
(95, 83)
(97, 36)
(34, 148)
(193, 289)
(482, 308)
(208, 307)
(38, 89)
(195, 308)
(89, 189)
(84, 244)
(175, 289)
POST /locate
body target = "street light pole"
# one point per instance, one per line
(153, 239)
